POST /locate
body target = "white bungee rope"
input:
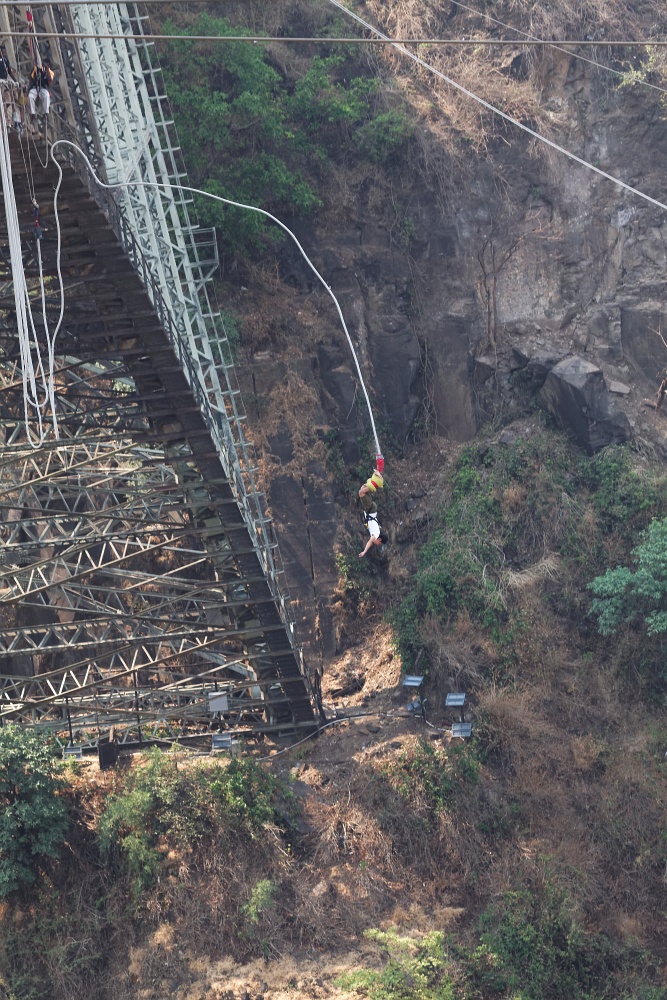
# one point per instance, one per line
(34, 370)
(234, 204)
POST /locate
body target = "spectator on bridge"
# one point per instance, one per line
(41, 79)
(7, 81)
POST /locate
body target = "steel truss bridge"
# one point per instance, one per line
(139, 572)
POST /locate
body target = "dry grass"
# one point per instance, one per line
(590, 804)
(545, 569)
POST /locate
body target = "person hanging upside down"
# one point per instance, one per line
(378, 536)
(369, 507)
(376, 482)
(41, 79)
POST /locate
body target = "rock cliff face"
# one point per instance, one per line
(531, 253)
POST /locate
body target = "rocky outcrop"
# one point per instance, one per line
(536, 365)
(576, 394)
(465, 301)
(643, 333)
(449, 361)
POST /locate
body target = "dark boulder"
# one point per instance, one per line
(576, 395)
(519, 358)
(541, 363)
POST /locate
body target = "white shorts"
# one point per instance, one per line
(373, 528)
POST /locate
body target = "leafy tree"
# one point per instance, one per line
(229, 104)
(248, 134)
(622, 595)
(33, 814)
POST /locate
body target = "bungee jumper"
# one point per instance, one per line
(369, 507)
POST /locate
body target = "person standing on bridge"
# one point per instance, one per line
(7, 81)
(41, 79)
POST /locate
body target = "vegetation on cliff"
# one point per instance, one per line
(33, 816)
(536, 508)
(253, 133)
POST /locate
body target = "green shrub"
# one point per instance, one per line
(261, 900)
(622, 595)
(532, 946)
(382, 137)
(355, 574)
(165, 807)
(428, 778)
(33, 813)
(622, 496)
(321, 101)
(416, 969)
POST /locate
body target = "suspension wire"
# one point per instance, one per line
(508, 118)
(314, 40)
(554, 45)
(235, 204)
(18, 110)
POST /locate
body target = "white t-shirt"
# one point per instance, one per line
(373, 528)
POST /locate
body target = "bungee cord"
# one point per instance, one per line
(38, 375)
(42, 163)
(30, 366)
(234, 204)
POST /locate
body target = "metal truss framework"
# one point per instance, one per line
(139, 569)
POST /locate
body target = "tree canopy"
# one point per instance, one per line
(622, 595)
(250, 134)
(33, 815)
